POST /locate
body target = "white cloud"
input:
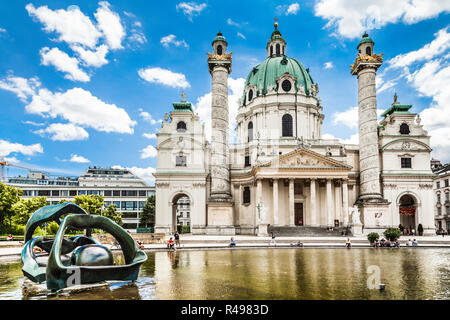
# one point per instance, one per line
(72, 25)
(95, 58)
(191, 9)
(144, 173)
(234, 23)
(351, 18)
(353, 139)
(62, 62)
(78, 159)
(6, 148)
(349, 117)
(80, 107)
(2, 30)
(149, 135)
(171, 39)
(137, 37)
(288, 9)
(148, 152)
(109, 23)
(63, 132)
(328, 65)
(22, 87)
(241, 35)
(429, 51)
(203, 107)
(165, 77)
(148, 117)
(36, 124)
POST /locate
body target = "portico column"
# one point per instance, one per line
(329, 204)
(312, 205)
(275, 202)
(291, 202)
(345, 201)
(258, 199)
(337, 201)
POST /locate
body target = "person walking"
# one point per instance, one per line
(177, 238)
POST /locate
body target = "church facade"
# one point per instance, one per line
(280, 172)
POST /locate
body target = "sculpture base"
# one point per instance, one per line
(374, 213)
(357, 230)
(220, 218)
(262, 230)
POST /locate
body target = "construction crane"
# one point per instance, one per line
(5, 163)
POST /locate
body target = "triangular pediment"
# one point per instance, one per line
(305, 158)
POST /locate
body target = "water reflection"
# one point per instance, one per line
(412, 273)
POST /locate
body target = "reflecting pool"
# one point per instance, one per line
(300, 273)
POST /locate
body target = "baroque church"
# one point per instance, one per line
(281, 174)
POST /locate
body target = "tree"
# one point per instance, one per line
(24, 208)
(392, 233)
(8, 197)
(112, 214)
(148, 212)
(92, 204)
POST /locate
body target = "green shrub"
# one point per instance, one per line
(184, 229)
(52, 228)
(372, 236)
(392, 233)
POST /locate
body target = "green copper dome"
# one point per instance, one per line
(365, 38)
(219, 37)
(266, 74)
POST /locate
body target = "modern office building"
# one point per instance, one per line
(442, 195)
(120, 187)
(184, 212)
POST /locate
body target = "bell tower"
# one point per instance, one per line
(220, 205)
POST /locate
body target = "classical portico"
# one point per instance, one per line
(300, 188)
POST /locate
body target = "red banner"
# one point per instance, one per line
(408, 211)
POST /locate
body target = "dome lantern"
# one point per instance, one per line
(276, 46)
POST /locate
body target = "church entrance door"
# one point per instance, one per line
(299, 214)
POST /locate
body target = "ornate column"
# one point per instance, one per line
(337, 201)
(312, 205)
(345, 201)
(291, 203)
(275, 202)
(329, 204)
(220, 205)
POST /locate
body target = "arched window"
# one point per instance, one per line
(250, 131)
(219, 49)
(404, 128)
(271, 50)
(284, 51)
(286, 123)
(278, 49)
(181, 126)
(246, 195)
(250, 95)
(368, 51)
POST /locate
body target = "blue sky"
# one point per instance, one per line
(86, 83)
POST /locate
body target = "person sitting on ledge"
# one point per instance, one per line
(139, 244)
(232, 242)
(10, 237)
(298, 244)
(409, 243)
(376, 243)
(382, 242)
(397, 243)
(415, 243)
(348, 243)
(171, 244)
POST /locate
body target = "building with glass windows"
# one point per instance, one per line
(442, 195)
(119, 187)
(282, 173)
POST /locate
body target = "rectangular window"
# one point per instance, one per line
(298, 188)
(438, 198)
(116, 193)
(247, 161)
(27, 193)
(446, 182)
(447, 199)
(142, 193)
(439, 211)
(107, 193)
(73, 193)
(117, 204)
(129, 193)
(55, 193)
(43, 193)
(180, 161)
(246, 195)
(406, 162)
(81, 192)
(141, 204)
(64, 193)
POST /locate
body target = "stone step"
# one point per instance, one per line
(305, 231)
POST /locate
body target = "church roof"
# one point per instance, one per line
(365, 38)
(397, 108)
(265, 75)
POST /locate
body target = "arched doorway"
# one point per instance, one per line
(181, 213)
(408, 211)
